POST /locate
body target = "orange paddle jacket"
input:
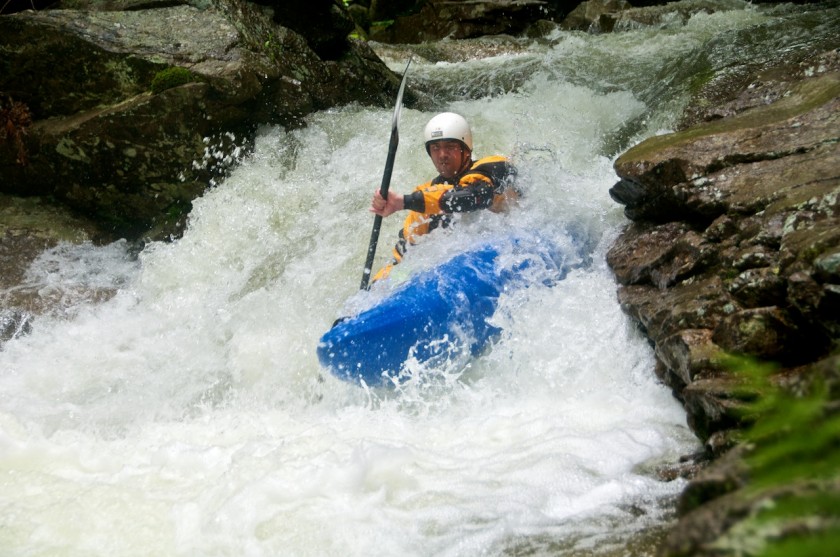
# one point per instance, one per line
(486, 184)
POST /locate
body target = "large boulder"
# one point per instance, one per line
(136, 107)
(594, 15)
(461, 19)
(28, 227)
(734, 249)
(324, 23)
(737, 235)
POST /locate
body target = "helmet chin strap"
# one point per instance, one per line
(466, 159)
(465, 165)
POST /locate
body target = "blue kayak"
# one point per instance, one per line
(438, 314)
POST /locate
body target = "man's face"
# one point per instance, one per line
(448, 156)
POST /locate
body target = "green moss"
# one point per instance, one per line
(807, 96)
(381, 25)
(273, 47)
(177, 210)
(700, 79)
(171, 77)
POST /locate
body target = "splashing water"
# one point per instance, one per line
(187, 414)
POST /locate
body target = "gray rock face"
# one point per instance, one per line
(734, 249)
(135, 110)
(736, 235)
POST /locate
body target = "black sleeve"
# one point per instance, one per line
(478, 195)
(415, 202)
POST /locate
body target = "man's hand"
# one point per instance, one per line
(383, 207)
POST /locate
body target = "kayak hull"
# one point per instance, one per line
(436, 315)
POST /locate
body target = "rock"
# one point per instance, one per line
(594, 16)
(827, 266)
(439, 19)
(817, 305)
(741, 522)
(735, 249)
(639, 16)
(14, 323)
(722, 441)
(126, 180)
(725, 475)
(757, 287)
(691, 354)
(453, 51)
(768, 333)
(735, 243)
(715, 404)
(697, 304)
(324, 23)
(391, 9)
(746, 87)
(604, 16)
(704, 172)
(134, 158)
(660, 256)
(28, 226)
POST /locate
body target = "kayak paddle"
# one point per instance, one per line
(386, 181)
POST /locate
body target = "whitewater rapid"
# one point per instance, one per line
(188, 415)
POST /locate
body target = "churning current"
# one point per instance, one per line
(188, 415)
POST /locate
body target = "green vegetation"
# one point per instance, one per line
(794, 468)
(171, 77)
(380, 25)
(273, 47)
(700, 78)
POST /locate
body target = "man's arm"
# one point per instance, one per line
(473, 195)
(384, 207)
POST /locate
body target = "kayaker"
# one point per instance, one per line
(462, 185)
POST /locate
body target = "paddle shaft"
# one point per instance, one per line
(386, 182)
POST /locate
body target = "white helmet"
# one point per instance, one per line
(448, 125)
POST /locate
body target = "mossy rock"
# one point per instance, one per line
(172, 77)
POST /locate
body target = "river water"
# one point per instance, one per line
(188, 415)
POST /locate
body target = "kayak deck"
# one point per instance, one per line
(438, 314)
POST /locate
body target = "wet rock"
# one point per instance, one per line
(14, 323)
(595, 16)
(715, 404)
(690, 354)
(453, 51)
(768, 333)
(688, 467)
(28, 226)
(705, 525)
(661, 256)
(439, 19)
(695, 304)
(671, 13)
(722, 441)
(827, 266)
(746, 250)
(709, 170)
(138, 107)
(727, 524)
(741, 89)
(734, 250)
(817, 305)
(324, 23)
(757, 287)
(723, 476)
